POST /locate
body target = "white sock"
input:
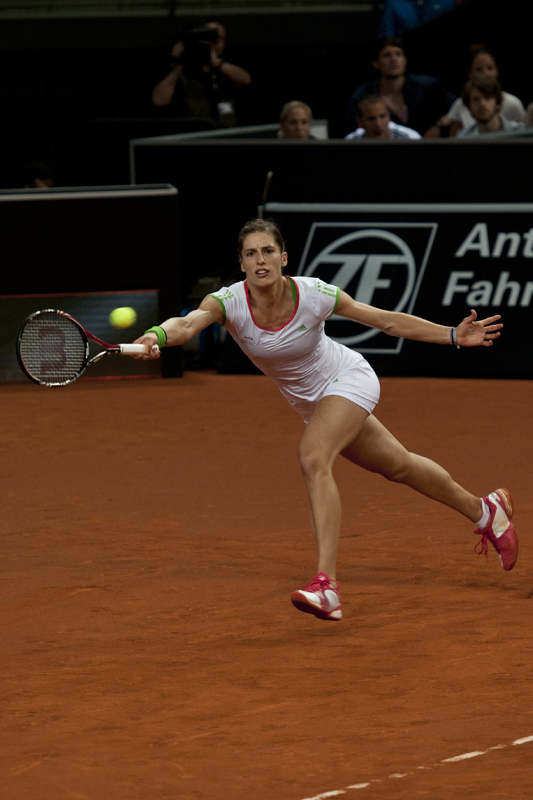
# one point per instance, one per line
(485, 517)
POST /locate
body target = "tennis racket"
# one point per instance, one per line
(53, 348)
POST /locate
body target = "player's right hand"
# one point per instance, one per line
(152, 351)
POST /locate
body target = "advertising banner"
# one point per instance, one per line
(437, 261)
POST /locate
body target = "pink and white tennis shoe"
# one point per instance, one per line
(500, 531)
(320, 597)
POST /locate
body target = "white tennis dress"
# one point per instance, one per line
(303, 362)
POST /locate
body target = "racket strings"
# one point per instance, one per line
(53, 348)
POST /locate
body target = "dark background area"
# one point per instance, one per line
(74, 91)
(64, 242)
(59, 75)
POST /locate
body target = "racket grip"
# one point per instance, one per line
(131, 349)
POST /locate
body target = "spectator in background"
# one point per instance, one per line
(414, 100)
(374, 122)
(36, 175)
(400, 16)
(483, 96)
(201, 84)
(482, 65)
(295, 121)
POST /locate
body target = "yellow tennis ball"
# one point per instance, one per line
(123, 317)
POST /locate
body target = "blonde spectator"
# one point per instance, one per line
(295, 121)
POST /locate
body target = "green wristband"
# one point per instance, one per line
(160, 333)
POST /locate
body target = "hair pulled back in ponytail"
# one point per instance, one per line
(261, 226)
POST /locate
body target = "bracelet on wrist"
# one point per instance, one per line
(160, 333)
(453, 337)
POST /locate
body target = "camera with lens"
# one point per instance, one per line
(196, 51)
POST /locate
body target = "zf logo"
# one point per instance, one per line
(381, 264)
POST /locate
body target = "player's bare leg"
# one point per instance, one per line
(377, 450)
(335, 423)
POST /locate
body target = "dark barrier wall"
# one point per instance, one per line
(111, 239)
(97, 238)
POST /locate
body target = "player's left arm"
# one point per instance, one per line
(471, 332)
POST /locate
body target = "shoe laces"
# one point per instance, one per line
(321, 582)
(482, 547)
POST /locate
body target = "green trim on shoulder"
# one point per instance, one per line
(222, 304)
(338, 293)
(293, 289)
(330, 291)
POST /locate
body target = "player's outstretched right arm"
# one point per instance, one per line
(180, 329)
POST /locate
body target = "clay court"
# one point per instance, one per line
(153, 531)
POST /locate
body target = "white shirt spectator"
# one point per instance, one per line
(507, 125)
(512, 108)
(396, 132)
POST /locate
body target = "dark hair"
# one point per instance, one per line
(479, 50)
(261, 226)
(372, 99)
(488, 87)
(388, 41)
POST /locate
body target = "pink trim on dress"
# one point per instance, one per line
(273, 330)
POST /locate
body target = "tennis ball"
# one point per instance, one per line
(123, 317)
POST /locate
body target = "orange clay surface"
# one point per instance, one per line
(152, 533)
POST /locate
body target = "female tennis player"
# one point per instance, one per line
(279, 323)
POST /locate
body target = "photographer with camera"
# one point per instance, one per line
(201, 83)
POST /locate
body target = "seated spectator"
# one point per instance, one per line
(374, 122)
(36, 175)
(295, 121)
(483, 97)
(399, 16)
(414, 100)
(482, 65)
(201, 84)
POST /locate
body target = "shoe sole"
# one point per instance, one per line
(304, 605)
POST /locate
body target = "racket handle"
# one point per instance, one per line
(132, 349)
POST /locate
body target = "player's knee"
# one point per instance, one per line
(312, 464)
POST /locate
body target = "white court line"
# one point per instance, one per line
(464, 756)
(452, 760)
(523, 741)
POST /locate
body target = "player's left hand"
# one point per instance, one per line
(473, 332)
